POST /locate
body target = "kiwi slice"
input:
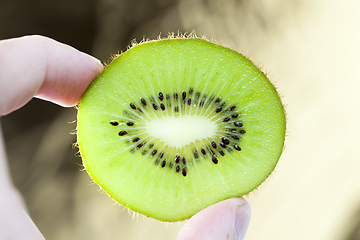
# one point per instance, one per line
(174, 125)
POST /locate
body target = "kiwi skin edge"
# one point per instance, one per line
(261, 144)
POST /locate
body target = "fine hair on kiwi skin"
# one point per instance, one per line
(126, 127)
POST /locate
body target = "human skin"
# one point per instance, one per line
(36, 66)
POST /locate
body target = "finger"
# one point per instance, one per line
(39, 66)
(228, 219)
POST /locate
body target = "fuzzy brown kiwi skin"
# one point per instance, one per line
(181, 37)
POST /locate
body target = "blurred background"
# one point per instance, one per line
(310, 49)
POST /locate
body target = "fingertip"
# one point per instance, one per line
(228, 219)
(42, 67)
(69, 73)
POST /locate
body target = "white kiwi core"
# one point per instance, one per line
(181, 130)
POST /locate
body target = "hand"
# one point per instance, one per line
(41, 67)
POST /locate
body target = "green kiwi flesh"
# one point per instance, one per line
(175, 125)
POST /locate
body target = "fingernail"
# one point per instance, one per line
(99, 64)
(242, 218)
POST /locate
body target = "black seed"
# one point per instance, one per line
(189, 101)
(183, 171)
(143, 101)
(225, 140)
(161, 96)
(176, 109)
(155, 106)
(191, 91)
(161, 155)
(232, 108)
(223, 145)
(162, 106)
(170, 165)
(130, 124)
(177, 159)
(122, 133)
(201, 103)
(183, 95)
(203, 151)
(151, 145)
(221, 153)
(226, 119)
(217, 100)
(132, 106)
(212, 152)
(235, 115)
(136, 139)
(154, 152)
(219, 109)
(213, 144)
(242, 131)
(196, 155)
(237, 147)
(114, 123)
(198, 95)
(184, 162)
(238, 124)
(175, 96)
(232, 130)
(235, 137)
(177, 168)
(139, 146)
(157, 161)
(144, 152)
(163, 164)
(214, 160)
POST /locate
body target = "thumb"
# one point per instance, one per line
(228, 219)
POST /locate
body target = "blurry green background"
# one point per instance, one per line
(309, 47)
